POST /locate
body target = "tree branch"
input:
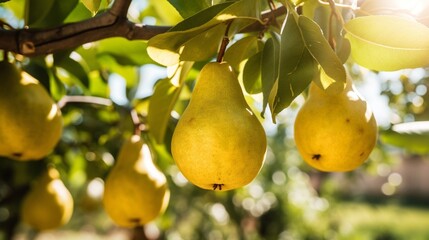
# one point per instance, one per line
(113, 23)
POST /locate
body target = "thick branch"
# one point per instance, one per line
(113, 23)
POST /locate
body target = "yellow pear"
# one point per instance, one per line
(218, 143)
(49, 204)
(335, 132)
(135, 192)
(30, 122)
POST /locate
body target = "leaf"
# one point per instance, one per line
(37, 10)
(57, 87)
(79, 13)
(188, 8)
(17, 7)
(124, 51)
(269, 69)
(416, 9)
(129, 73)
(48, 13)
(242, 50)
(38, 69)
(194, 50)
(190, 40)
(166, 12)
(92, 5)
(252, 74)
(73, 67)
(162, 102)
(296, 66)
(320, 49)
(200, 18)
(413, 136)
(293, 84)
(388, 43)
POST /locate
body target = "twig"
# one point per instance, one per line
(120, 8)
(84, 99)
(139, 126)
(224, 44)
(113, 23)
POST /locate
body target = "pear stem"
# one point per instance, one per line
(224, 43)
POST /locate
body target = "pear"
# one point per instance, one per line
(135, 191)
(48, 204)
(335, 132)
(218, 143)
(30, 122)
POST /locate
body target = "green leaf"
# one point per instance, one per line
(37, 10)
(92, 5)
(17, 7)
(252, 74)
(413, 136)
(57, 87)
(270, 70)
(79, 13)
(48, 13)
(290, 86)
(321, 51)
(38, 69)
(415, 9)
(188, 8)
(197, 40)
(242, 50)
(296, 66)
(129, 73)
(388, 43)
(162, 101)
(193, 49)
(124, 51)
(200, 18)
(73, 67)
(165, 12)
(97, 85)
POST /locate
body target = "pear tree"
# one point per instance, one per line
(137, 99)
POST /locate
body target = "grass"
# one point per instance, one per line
(380, 222)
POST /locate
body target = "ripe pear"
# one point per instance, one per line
(218, 143)
(49, 204)
(335, 132)
(30, 122)
(135, 192)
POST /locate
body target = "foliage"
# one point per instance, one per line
(275, 57)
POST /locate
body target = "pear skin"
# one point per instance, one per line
(30, 121)
(218, 143)
(335, 133)
(135, 191)
(49, 204)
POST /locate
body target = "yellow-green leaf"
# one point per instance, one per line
(320, 49)
(197, 38)
(242, 50)
(162, 102)
(388, 43)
